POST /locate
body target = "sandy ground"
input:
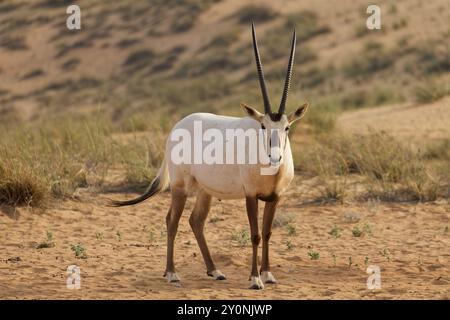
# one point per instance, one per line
(125, 250)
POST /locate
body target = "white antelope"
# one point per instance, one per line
(230, 181)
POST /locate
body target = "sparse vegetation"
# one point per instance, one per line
(79, 251)
(357, 232)
(214, 220)
(289, 245)
(13, 43)
(386, 254)
(313, 255)
(283, 219)
(392, 171)
(242, 237)
(307, 24)
(369, 62)
(335, 232)
(48, 242)
(99, 236)
(291, 229)
(33, 74)
(257, 13)
(430, 92)
(438, 150)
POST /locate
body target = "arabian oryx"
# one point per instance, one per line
(230, 180)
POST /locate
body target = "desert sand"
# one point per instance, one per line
(125, 250)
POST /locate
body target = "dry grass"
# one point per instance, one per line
(56, 157)
(431, 91)
(391, 170)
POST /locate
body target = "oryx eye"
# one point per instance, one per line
(263, 127)
(287, 129)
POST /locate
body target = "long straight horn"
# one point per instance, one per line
(288, 76)
(262, 82)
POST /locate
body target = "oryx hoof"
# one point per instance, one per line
(217, 275)
(172, 277)
(256, 283)
(267, 277)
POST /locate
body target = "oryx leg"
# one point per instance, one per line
(173, 217)
(197, 222)
(269, 213)
(252, 213)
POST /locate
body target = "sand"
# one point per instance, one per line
(125, 250)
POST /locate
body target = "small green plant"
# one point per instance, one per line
(367, 228)
(79, 250)
(313, 255)
(446, 229)
(350, 262)
(291, 229)
(335, 232)
(386, 254)
(241, 237)
(48, 242)
(282, 219)
(357, 232)
(151, 236)
(289, 245)
(214, 219)
(334, 259)
(366, 261)
(119, 235)
(99, 236)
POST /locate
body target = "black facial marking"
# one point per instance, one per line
(275, 117)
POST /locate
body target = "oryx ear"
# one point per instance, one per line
(299, 113)
(252, 112)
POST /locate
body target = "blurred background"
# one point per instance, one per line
(77, 106)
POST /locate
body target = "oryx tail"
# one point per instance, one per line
(159, 183)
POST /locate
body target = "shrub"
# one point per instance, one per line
(392, 171)
(367, 64)
(257, 13)
(430, 92)
(307, 25)
(242, 237)
(13, 43)
(433, 58)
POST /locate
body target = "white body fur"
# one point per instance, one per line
(227, 181)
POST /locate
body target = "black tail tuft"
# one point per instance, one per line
(154, 188)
